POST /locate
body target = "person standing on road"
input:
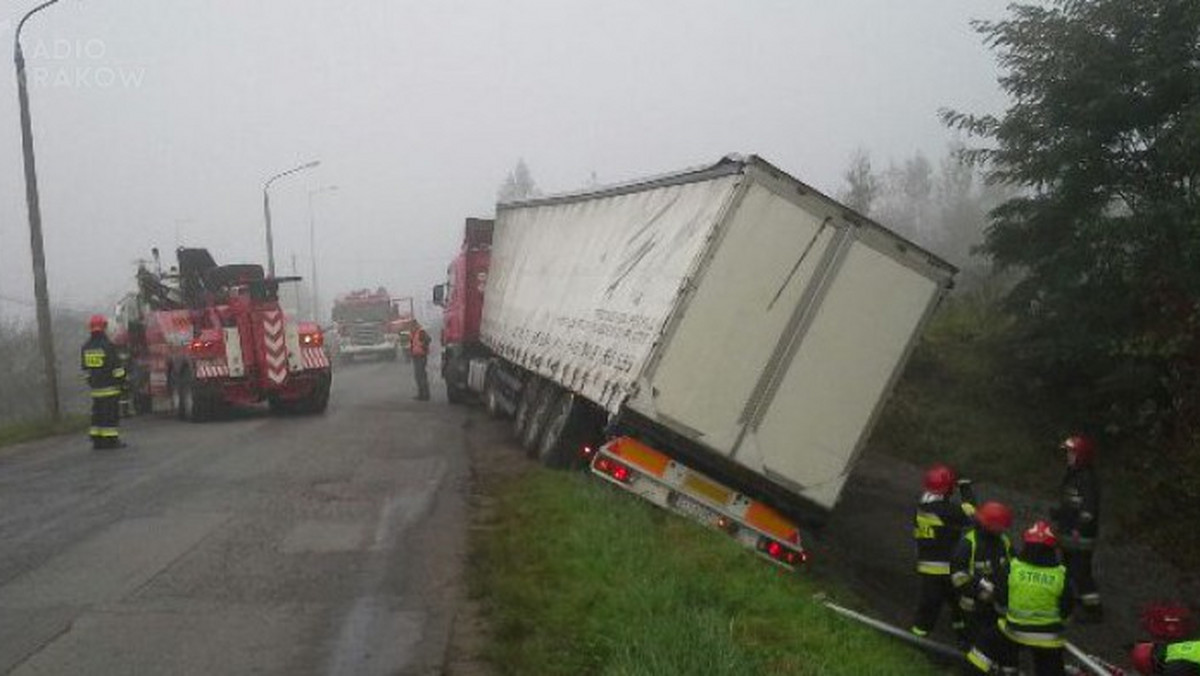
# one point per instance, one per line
(1077, 518)
(419, 349)
(940, 522)
(981, 554)
(1034, 601)
(106, 378)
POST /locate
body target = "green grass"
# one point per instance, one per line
(576, 577)
(19, 432)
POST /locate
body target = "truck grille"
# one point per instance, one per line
(366, 334)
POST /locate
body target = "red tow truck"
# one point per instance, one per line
(206, 336)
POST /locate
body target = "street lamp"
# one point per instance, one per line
(312, 248)
(267, 210)
(40, 291)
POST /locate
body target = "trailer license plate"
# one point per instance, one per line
(693, 509)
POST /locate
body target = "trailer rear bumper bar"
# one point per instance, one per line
(652, 475)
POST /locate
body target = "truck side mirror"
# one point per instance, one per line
(439, 295)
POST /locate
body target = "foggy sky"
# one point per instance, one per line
(157, 121)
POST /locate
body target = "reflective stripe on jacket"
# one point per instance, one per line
(938, 524)
(1184, 651)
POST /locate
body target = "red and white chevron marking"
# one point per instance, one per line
(275, 346)
(314, 358)
(212, 369)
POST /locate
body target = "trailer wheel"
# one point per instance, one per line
(572, 424)
(557, 443)
(538, 416)
(529, 395)
(491, 399)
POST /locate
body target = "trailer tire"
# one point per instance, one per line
(525, 404)
(560, 439)
(491, 399)
(538, 416)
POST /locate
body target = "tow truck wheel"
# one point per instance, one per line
(185, 401)
(194, 405)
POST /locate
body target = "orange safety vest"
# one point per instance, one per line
(419, 345)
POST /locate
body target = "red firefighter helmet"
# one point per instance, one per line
(1167, 621)
(994, 517)
(940, 479)
(1040, 534)
(1142, 657)
(97, 323)
(1080, 450)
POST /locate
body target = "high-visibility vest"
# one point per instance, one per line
(1034, 593)
(419, 343)
(984, 566)
(1185, 651)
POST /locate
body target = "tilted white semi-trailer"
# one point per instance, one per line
(721, 340)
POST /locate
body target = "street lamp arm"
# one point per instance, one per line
(281, 174)
(21, 23)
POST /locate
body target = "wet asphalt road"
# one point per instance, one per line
(271, 545)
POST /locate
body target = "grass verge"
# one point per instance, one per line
(576, 578)
(19, 432)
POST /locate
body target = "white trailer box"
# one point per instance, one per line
(732, 305)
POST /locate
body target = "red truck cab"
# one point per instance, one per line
(461, 300)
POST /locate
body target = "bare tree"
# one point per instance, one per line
(519, 184)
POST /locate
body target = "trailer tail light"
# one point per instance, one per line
(614, 469)
(312, 339)
(781, 553)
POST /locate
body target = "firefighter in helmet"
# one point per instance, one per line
(1034, 601)
(981, 554)
(939, 523)
(1181, 658)
(1077, 520)
(1169, 652)
(106, 378)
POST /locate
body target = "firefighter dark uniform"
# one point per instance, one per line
(939, 523)
(978, 559)
(106, 378)
(1034, 600)
(1077, 521)
(419, 348)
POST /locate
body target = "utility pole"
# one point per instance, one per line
(40, 289)
(312, 249)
